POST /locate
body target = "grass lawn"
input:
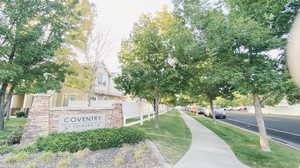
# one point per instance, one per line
(173, 137)
(246, 147)
(130, 120)
(13, 128)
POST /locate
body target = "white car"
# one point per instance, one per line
(219, 113)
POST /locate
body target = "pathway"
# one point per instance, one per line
(207, 149)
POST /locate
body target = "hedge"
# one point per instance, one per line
(93, 139)
(20, 114)
(14, 137)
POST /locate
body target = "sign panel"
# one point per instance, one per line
(81, 122)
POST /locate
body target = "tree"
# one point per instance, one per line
(180, 100)
(246, 39)
(98, 46)
(237, 100)
(261, 75)
(212, 77)
(81, 40)
(30, 34)
(149, 58)
(147, 83)
(277, 16)
(76, 41)
(210, 82)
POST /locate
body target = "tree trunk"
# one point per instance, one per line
(156, 110)
(91, 87)
(212, 109)
(89, 101)
(1, 119)
(7, 109)
(264, 143)
(1, 116)
(2, 100)
(8, 102)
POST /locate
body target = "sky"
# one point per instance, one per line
(117, 17)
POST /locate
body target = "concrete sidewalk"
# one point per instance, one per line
(207, 149)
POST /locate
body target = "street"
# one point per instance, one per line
(286, 130)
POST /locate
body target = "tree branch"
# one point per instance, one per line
(264, 98)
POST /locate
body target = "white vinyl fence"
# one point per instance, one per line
(138, 112)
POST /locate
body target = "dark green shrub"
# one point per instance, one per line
(20, 114)
(93, 139)
(13, 138)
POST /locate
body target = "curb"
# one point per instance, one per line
(269, 137)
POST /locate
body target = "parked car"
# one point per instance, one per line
(201, 110)
(219, 113)
(193, 110)
(240, 108)
(236, 109)
(207, 113)
(243, 108)
(187, 109)
(228, 108)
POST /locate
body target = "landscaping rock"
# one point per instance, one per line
(129, 156)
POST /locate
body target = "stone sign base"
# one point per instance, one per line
(80, 119)
(43, 120)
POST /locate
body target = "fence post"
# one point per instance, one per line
(141, 118)
(148, 111)
(141, 114)
(153, 113)
(124, 120)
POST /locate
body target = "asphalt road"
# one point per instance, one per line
(286, 130)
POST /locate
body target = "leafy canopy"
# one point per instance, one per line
(30, 34)
(150, 56)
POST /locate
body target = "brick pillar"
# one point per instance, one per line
(38, 119)
(117, 116)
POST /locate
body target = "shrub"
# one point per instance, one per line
(20, 114)
(93, 139)
(6, 149)
(14, 137)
